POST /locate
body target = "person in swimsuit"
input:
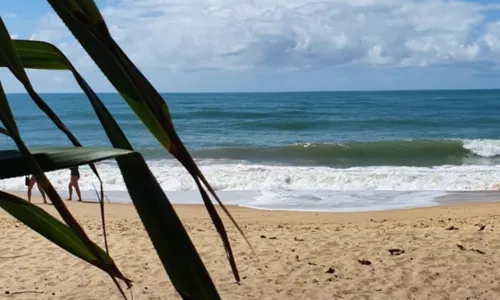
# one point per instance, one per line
(73, 183)
(30, 182)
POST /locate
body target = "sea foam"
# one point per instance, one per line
(300, 187)
(226, 176)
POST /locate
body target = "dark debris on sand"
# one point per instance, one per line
(365, 262)
(396, 252)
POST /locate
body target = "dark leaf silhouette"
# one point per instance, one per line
(165, 230)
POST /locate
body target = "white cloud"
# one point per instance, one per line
(292, 35)
(51, 29)
(492, 37)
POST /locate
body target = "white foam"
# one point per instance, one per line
(300, 188)
(240, 176)
(293, 188)
(343, 201)
(483, 147)
(314, 200)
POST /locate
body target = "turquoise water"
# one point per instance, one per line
(286, 143)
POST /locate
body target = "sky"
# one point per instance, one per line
(279, 45)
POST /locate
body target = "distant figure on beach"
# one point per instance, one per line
(73, 183)
(30, 182)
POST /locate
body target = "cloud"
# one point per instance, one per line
(51, 29)
(285, 35)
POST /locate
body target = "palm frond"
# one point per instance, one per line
(9, 55)
(148, 205)
(32, 166)
(55, 231)
(89, 28)
(13, 164)
(169, 237)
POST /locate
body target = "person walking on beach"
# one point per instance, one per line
(73, 183)
(30, 182)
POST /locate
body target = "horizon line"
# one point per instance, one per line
(287, 91)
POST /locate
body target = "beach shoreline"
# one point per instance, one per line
(306, 201)
(460, 207)
(303, 255)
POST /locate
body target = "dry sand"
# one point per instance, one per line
(302, 255)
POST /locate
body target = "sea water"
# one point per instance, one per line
(324, 151)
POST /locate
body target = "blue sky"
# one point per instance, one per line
(276, 45)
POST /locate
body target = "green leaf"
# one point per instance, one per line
(146, 204)
(9, 122)
(11, 59)
(170, 239)
(172, 243)
(37, 55)
(14, 164)
(10, 56)
(42, 55)
(174, 246)
(91, 31)
(51, 228)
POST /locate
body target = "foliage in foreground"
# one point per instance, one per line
(171, 241)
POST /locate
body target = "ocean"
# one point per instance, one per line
(320, 151)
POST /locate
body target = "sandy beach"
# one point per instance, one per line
(437, 253)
